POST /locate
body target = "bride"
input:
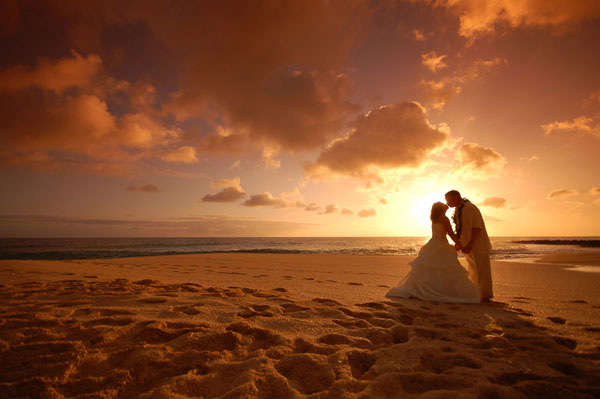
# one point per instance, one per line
(436, 273)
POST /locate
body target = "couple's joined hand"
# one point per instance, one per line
(466, 249)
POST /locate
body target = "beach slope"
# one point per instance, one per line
(289, 326)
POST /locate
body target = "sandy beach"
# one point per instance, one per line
(291, 326)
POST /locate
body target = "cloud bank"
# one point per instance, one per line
(231, 191)
(562, 193)
(477, 161)
(494, 202)
(479, 17)
(122, 84)
(387, 137)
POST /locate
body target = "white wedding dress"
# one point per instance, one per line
(436, 274)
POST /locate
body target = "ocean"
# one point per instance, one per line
(505, 248)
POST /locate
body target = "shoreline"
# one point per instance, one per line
(559, 258)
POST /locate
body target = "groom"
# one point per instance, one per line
(474, 242)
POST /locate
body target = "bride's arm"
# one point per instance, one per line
(449, 231)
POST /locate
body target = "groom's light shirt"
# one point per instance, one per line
(470, 218)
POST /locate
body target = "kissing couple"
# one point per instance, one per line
(436, 273)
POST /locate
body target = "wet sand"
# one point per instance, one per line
(289, 326)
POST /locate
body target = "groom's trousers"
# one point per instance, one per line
(480, 272)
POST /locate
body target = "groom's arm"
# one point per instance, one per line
(475, 232)
(450, 232)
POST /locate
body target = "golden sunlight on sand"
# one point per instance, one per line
(198, 326)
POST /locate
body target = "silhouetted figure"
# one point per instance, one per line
(436, 273)
(473, 242)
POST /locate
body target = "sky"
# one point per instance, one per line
(297, 118)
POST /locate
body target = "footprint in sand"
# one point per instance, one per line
(308, 278)
(81, 312)
(153, 300)
(566, 368)
(350, 324)
(566, 342)
(260, 308)
(513, 378)
(557, 320)
(326, 301)
(115, 312)
(316, 375)
(383, 286)
(188, 310)
(153, 335)
(439, 364)
(146, 282)
(519, 311)
(353, 283)
(109, 321)
(255, 311)
(293, 308)
(372, 305)
(360, 362)
(356, 315)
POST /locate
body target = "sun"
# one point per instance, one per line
(420, 209)
(408, 212)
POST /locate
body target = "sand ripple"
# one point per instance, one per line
(146, 339)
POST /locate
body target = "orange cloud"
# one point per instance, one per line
(312, 207)
(329, 209)
(387, 137)
(365, 213)
(582, 124)
(479, 162)
(477, 17)
(276, 74)
(221, 183)
(223, 141)
(268, 74)
(346, 211)
(147, 188)
(531, 158)
(595, 190)
(436, 93)
(184, 154)
(56, 115)
(231, 190)
(562, 193)
(228, 194)
(432, 61)
(54, 75)
(266, 199)
(418, 35)
(494, 202)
